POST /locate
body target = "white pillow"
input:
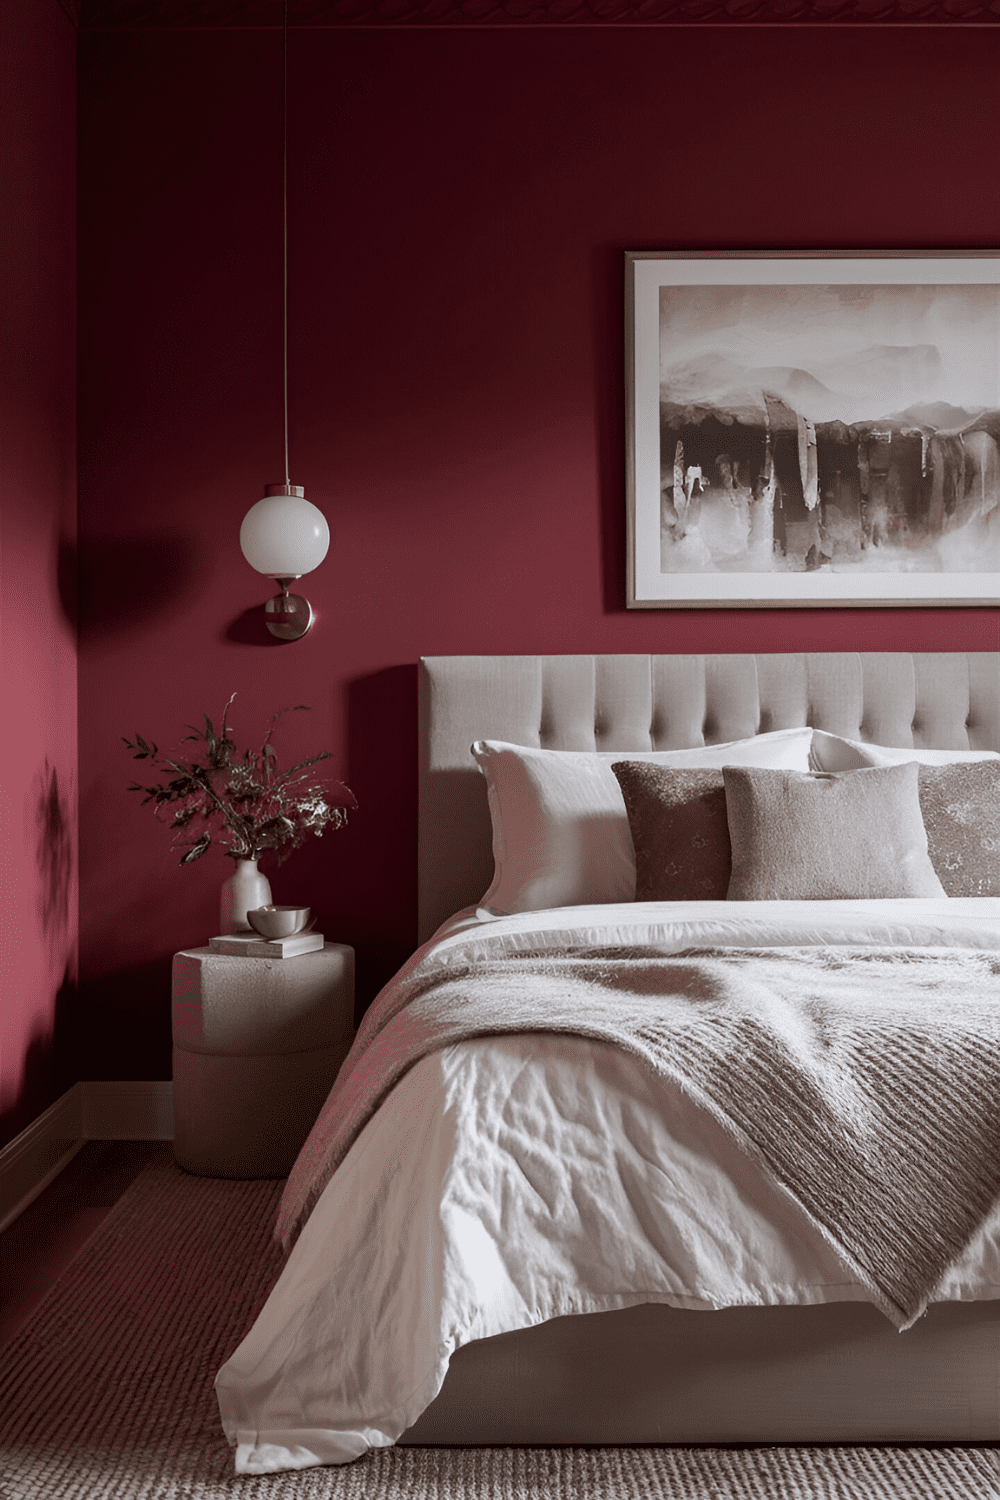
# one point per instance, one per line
(830, 752)
(560, 829)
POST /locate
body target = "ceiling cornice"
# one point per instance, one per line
(143, 15)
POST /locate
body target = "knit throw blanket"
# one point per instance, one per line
(864, 1081)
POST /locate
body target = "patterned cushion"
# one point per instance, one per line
(961, 810)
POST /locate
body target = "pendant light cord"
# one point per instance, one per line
(284, 215)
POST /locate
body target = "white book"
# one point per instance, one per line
(251, 946)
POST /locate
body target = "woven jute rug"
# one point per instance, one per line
(107, 1393)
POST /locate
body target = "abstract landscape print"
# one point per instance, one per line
(832, 437)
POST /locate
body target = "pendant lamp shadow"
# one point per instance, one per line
(284, 535)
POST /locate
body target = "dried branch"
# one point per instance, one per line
(242, 802)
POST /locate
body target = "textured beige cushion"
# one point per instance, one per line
(560, 829)
(827, 836)
(679, 830)
(961, 812)
(959, 800)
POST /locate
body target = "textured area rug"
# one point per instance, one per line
(107, 1393)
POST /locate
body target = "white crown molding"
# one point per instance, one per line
(137, 1110)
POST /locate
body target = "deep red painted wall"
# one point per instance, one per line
(38, 916)
(459, 205)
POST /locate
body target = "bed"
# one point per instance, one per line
(475, 1257)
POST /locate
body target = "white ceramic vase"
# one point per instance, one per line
(244, 891)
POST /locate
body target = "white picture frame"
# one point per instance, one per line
(830, 424)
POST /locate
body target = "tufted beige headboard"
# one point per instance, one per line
(942, 700)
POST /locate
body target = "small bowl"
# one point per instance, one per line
(278, 921)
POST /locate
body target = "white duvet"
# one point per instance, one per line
(507, 1181)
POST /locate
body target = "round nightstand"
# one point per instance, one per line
(257, 1045)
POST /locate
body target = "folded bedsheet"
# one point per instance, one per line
(505, 1181)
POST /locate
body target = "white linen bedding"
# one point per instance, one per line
(507, 1181)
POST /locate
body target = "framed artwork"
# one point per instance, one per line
(812, 429)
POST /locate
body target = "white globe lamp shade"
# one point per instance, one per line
(284, 535)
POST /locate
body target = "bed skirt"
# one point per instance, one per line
(833, 1373)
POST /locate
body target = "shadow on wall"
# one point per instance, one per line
(49, 1067)
(53, 819)
(124, 1028)
(250, 629)
(68, 581)
(382, 773)
(125, 580)
(117, 1026)
(50, 1064)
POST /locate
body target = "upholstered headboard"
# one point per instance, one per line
(941, 700)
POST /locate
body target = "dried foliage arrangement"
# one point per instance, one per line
(241, 801)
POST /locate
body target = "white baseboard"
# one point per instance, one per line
(29, 1162)
(139, 1111)
(113, 1111)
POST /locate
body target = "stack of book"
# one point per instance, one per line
(249, 945)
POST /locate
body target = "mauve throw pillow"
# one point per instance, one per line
(679, 830)
(827, 836)
(961, 811)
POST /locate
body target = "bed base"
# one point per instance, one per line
(835, 1373)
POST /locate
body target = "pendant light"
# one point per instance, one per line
(284, 535)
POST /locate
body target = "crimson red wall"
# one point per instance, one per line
(38, 917)
(459, 205)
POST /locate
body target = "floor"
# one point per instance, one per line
(41, 1242)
